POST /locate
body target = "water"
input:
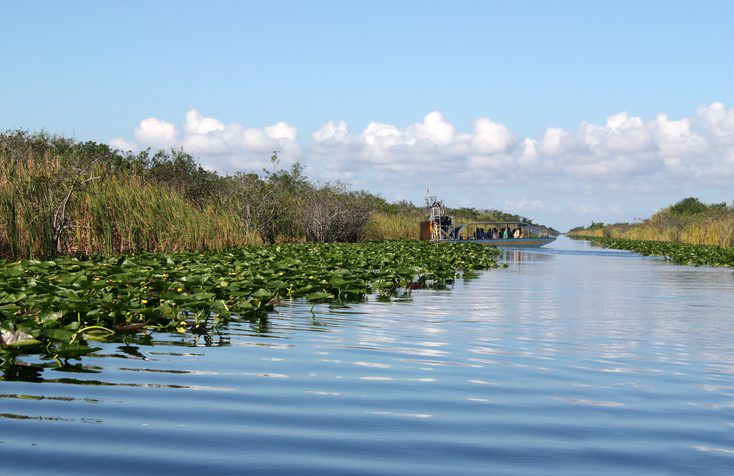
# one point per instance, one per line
(572, 361)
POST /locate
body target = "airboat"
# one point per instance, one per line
(441, 227)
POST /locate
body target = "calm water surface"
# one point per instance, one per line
(572, 361)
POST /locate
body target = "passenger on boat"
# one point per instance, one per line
(495, 234)
(516, 233)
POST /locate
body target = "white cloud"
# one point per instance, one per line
(529, 149)
(675, 138)
(429, 146)
(332, 132)
(490, 137)
(196, 124)
(432, 150)
(381, 136)
(583, 209)
(282, 130)
(224, 147)
(623, 148)
(620, 134)
(433, 128)
(587, 209)
(717, 121)
(156, 133)
(122, 145)
(552, 141)
(524, 204)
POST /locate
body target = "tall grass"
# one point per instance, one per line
(126, 214)
(58, 196)
(108, 211)
(382, 226)
(710, 225)
(27, 202)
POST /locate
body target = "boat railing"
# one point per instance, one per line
(539, 230)
(528, 229)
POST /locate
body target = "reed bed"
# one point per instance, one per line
(711, 225)
(382, 226)
(56, 200)
(27, 202)
(711, 231)
(125, 214)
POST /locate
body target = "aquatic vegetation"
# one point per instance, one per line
(55, 308)
(679, 253)
(687, 221)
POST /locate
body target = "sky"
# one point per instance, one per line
(566, 112)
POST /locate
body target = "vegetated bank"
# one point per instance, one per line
(688, 232)
(62, 197)
(55, 308)
(687, 221)
(98, 244)
(679, 253)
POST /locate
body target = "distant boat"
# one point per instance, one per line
(441, 227)
(518, 234)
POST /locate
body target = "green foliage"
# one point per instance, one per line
(689, 206)
(280, 195)
(39, 175)
(688, 221)
(58, 197)
(57, 307)
(679, 253)
(180, 171)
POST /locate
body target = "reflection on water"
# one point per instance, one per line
(570, 361)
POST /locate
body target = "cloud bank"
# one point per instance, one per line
(222, 147)
(698, 148)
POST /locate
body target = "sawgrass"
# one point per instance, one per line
(383, 226)
(108, 211)
(125, 214)
(711, 225)
(711, 231)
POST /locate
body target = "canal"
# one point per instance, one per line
(573, 360)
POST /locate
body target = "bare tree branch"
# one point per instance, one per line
(60, 222)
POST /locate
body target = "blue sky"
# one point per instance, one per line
(564, 111)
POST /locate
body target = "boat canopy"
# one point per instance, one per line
(526, 228)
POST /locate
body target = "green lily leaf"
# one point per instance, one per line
(62, 335)
(319, 296)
